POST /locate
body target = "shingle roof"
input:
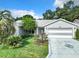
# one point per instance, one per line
(42, 23)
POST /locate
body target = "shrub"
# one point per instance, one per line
(77, 34)
(14, 40)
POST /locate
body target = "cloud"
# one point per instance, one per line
(20, 13)
(60, 3)
(76, 2)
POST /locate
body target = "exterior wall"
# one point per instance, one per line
(61, 24)
(39, 30)
(74, 30)
(41, 34)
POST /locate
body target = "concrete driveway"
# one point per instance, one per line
(63, 48)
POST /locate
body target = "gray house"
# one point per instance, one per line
(41, 24)
(56, 28)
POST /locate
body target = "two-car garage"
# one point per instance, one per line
(60, 32)
(60, 29)
(60, 39)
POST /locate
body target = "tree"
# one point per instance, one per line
(69, 12)
(49, 14)
(28, 16)
(69, 4)
(20, 18)
(6, 24)
(62, 12)
(5, 14)
(29, 23)
(57, 9)
(72, 14)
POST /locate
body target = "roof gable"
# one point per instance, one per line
(44, 23)
(63, 20)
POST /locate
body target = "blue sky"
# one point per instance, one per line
(39, 6)
(33, 7)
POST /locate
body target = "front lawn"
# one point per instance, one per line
(29, 50)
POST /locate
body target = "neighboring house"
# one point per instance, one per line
(56, 28)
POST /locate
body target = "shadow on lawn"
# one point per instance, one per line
(25, 40)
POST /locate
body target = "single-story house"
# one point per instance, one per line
(56, 28)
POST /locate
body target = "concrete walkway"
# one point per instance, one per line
(63, 48)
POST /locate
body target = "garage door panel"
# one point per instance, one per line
(59, 36)
(59, 28)
(59, 32)
(56, 31)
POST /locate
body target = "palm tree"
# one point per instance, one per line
(6, 23)
(6, 15)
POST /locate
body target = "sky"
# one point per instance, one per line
(33, 7)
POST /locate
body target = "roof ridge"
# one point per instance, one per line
(64, 21)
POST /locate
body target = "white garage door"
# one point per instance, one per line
(60, 32)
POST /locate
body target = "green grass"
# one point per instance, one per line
(29, 50)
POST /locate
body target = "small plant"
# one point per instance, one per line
(77, 34)
(14, 40)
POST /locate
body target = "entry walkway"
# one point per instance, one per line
(63, 48)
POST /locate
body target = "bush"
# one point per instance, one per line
(77, 34)
(14, 40)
